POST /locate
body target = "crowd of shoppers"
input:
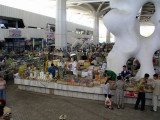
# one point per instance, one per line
(119, 92)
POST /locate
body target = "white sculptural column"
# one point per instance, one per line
(108, 37)
(60, 35)
(96, 29)
(122, 22)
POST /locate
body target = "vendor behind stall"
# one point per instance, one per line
(52, 70)
(112, 75)
(125, 74)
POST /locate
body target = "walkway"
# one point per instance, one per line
(36, 106)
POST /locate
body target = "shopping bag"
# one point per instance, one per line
(107, 101)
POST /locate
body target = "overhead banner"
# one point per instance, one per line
(15, 33)
(50, 35)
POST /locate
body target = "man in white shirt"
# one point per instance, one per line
(156, 92)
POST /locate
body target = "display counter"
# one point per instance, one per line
(93, 93)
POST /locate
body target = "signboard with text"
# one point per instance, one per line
(15, 33)
(50, 35)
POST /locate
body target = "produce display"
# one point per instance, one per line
(68, 71)
(64, 73)
(89, 76)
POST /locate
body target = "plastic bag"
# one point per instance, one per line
(107, 101)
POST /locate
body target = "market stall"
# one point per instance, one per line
(74, 79)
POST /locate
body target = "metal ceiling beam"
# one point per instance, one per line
(103, 11)
(86, 1)
(147, 15)
(91, 7)
(86, 9)
(100, 6)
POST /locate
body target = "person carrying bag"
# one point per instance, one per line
(107, 93)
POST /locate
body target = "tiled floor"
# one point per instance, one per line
(36, 106)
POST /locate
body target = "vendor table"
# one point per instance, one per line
(93, 93)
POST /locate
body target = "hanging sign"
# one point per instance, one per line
(50, 35)
(15, 33)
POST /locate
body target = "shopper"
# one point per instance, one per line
(141, 94)
(119, 94)
(52, 70)
(4, 59)
(1, 114)
(125, 74)
(6, 110)
(107, 92)
(156, 92)
(2, 88)
(110, 74)
(1, 72)
(94, 62)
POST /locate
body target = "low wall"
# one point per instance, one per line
(93, 93)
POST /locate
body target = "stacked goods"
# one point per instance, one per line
(103, 80)
(46, 66)
(86, 64)
(59, 81)
(89, 83)
(99, 78)
(40, 65)
(67, 63)
(83, 63)
(133, 84)
(72, 80)
(9, 61)
(55, 63)
(131, 94)
(77, 82)
(83, 83)
(22, 70)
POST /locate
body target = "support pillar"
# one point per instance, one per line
(33, 43)
(60, 36)
(16, 24)
(108, 37)
(46, 43)
(96, 29)
(42, 43)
